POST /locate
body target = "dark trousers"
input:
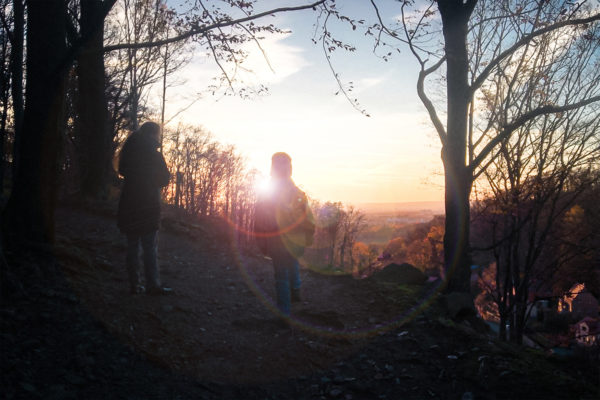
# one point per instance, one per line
(149, 244)
(287, 277)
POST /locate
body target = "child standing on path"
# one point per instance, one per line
(284, 227)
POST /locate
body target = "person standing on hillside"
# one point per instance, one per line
(145, 172)
(284, 227)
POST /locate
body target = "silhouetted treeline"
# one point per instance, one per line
(209, 179)
(419, 244)
(336, 237)
(534, 243)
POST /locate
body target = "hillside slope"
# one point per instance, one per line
(80, 334)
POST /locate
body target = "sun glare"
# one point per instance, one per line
(263, 185)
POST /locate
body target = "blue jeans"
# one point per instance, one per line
(287, 275)
(149, 246)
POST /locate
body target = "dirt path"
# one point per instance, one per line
(217, 338)
(220, 325)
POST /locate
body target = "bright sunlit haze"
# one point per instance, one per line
(338, 154)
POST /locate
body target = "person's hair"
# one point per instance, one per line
(144, 135)
(281, 165)
(148, 129)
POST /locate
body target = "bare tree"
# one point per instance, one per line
(30, 209)
(135, 22)
(5, 49)
(577, 245)
(337, 229)
(243, 205)
(352, 223)
(91, 119)
(212, 180)
(13, 31)
(330, 218)
(474, 40)
(538, 175)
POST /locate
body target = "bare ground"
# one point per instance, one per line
(82, 335)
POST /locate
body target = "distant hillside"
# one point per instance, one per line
(437, 207)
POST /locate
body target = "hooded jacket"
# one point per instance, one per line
(145, 172)
(284, 224)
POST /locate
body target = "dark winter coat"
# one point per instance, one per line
(284, 224)
(145, 172)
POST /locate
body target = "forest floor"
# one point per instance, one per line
(81, 335)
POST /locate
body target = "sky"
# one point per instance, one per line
(338, 154)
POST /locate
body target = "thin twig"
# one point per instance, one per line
(525, 40)
(217, 25)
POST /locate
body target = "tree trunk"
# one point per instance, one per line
(178, 183)
(133, 90)
(92, 108)
(16, 72)
(30, 212)
(456, 238)
(342, 251)
(192, 197)
(502, 327)
(2, 146)
(520, 318)
(458, 180)
(164, 90)
(332, 252)
(5, 89)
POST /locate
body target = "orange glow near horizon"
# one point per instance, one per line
(379, 179)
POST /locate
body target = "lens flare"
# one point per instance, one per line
(263, 185)
(243, 264)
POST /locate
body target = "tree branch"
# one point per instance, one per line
(6, 27)
(510, 128)
(384, 28)
(525, 40)
(423, 73)
(201, 30)
(262, 50)
(216, 58)
(181, 111)
(439, 127)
